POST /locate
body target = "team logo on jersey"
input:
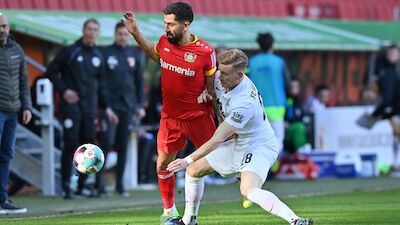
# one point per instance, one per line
(96, 61)
(167, 49)
(237, 117)
(131, 61)
(190, 57)
(112, 62)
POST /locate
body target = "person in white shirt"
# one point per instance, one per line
(251, 150)
(319, 101)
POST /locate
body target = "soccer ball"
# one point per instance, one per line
(88, 159)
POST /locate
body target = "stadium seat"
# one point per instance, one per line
(105, 5)
(341, 9)
(12, 4)
(66, 5)
(140, 6)
(119, 6)
(80, 5)
(29, 4)
(53, 5)
(93, 5)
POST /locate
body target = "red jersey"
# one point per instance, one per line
(183, 72)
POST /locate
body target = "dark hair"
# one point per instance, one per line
(319, 88)
(91, 20)
(183, 12)
(119, 25)
(392, 46)
(265, 40)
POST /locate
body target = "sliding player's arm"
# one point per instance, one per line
(223, 132)
(133, 28)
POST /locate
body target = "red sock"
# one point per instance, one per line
(166, 182)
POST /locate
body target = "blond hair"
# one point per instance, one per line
(236, 57)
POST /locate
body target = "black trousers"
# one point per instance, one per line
(78, 129)
(116, 136)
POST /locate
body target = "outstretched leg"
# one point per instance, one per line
(251, 188)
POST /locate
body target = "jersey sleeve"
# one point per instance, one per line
(210, 65)
(157, 47)
(239, 116)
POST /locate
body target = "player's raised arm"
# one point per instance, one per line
(144, 43)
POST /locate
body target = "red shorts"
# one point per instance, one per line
(173, 132)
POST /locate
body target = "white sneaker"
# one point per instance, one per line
(8, 207)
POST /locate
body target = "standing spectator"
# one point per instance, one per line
(319, 101)
(124, 78)
(188, 65)
(271, 76)
(296, 131)
(14, 96)
(387, 84)
(76, 73)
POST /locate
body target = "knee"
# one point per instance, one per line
(191, 171)
(196, 170)
(162, 164)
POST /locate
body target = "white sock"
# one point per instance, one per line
(171, 210)
(194, 188)
(268, 201)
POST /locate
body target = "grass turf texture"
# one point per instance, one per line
(359, 205)
(372, 207)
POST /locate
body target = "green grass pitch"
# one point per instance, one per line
(355, 208)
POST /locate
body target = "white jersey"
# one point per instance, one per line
(242, 108)
(256, 148)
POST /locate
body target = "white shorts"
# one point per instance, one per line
(228, 160)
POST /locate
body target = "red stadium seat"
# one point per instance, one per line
(104, 5)
(93, 5)
(27, 4)
(119, 6)
(343, 9)
(140, 6)
(14, 4)
(51, 4)
(3, 4)
(280, 9)
(67, 5)
(251, 9)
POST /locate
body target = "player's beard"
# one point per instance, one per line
(175, 38)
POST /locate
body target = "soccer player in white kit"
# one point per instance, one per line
(251, 152)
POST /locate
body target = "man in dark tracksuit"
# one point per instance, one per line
(388, 83)
(14, 96)
(77, 74)
(124, 79)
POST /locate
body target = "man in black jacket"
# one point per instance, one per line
(14, 96)
(77, 74)
(124, 78)
(388, 84)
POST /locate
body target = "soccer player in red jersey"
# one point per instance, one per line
(188, 65)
